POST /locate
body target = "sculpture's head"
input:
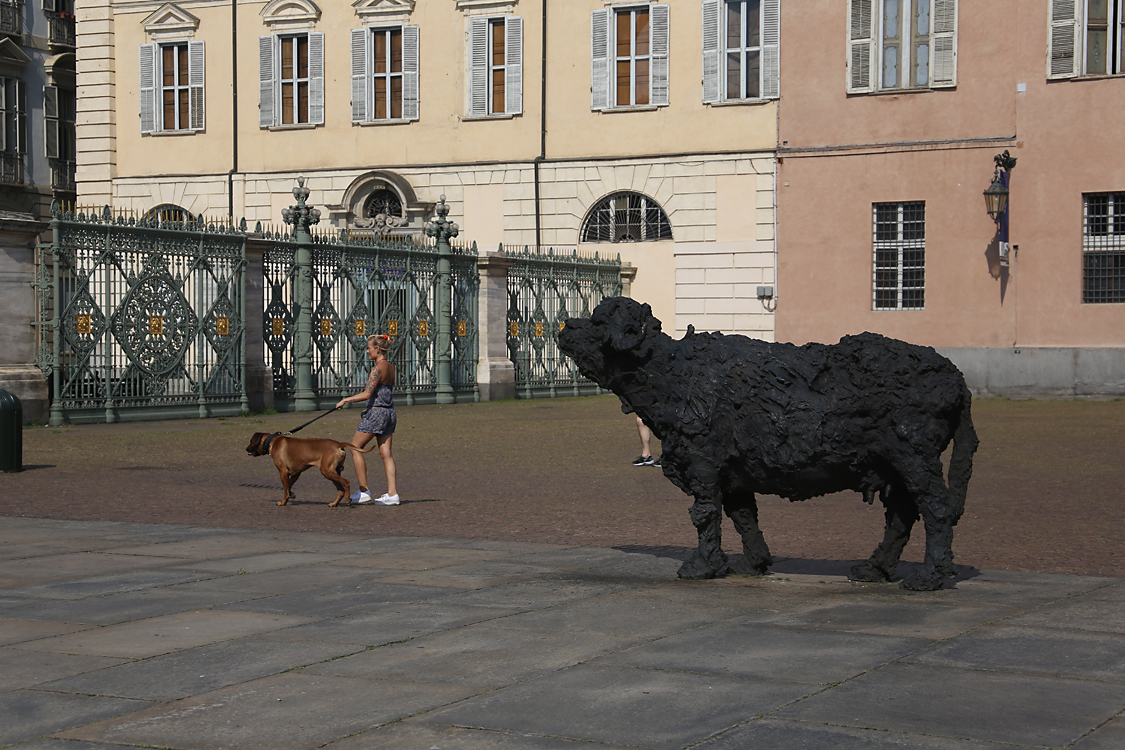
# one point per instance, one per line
(619, 327)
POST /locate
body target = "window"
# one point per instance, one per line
(1086, 38)
(626, 217)
(13, 130)
(168, 212)
(383, 202)
(291, 80)
(58, 132)
(900, 256)
(171, 87)
(629, 56)
(385, 74)
(496, 66)
(741, 53)
(901, 44)
(1103, 248)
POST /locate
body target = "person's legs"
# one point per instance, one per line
(360, 440)
(646, 450)
(388, 463)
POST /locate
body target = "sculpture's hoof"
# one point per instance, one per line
(869, 573)
(698, 568)
(920, 580)
(748, 567)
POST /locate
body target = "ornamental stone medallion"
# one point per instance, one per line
(155, 323)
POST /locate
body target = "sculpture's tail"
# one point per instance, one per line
(964, 446)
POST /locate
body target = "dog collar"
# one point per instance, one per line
(268, 441)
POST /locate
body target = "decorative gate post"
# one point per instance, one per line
(302, 217)
(442, 229)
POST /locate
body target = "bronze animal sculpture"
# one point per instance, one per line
(737, 416)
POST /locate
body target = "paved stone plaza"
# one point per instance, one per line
(120, 634)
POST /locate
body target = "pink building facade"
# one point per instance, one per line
(891, 113)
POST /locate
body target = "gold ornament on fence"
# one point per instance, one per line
(83, 325)
(423, 328)
(222, 326)
(325, 327)
(278, 327)
(514, 329)
(361, 328)
(539, 329)
(156, 325)
(462, 328)
(392, 327)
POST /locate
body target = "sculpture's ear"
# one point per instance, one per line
(627, 324)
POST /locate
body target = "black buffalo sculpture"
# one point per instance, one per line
(736, 416)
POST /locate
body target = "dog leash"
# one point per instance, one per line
(306, 424)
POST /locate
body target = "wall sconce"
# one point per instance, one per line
(996, 199)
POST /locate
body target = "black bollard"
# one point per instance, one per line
(11, 432)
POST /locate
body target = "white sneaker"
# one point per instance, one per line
(361, 497)
(388, 499)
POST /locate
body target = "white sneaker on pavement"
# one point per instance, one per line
(361, 497)
(388, 499)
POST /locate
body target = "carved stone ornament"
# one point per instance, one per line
(290, 14)
(491, 7)
(170, 20)
(383, 11)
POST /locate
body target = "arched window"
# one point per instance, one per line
(169, 212)
(383, 202)
(626, 217)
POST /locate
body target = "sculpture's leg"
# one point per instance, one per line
(708, 560)
(939, 514)
(742, 509)
(901, 513)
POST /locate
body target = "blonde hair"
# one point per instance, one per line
(381, 341)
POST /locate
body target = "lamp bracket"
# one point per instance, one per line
(1005, 161)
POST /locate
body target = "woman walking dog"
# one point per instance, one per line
(378, 421)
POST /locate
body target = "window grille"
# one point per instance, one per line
(900, 255)
(627, 217)
(1103, 248)
(167, 212)
(383, 202)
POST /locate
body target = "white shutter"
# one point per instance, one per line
(658, 44)
(1063, 60)
(3, 115)
(943, 49)
(195, 85)
(711, 53)
(267, 115)
(51, 121)
(316, 77)
(148, 87)
(361, 41)
(771, 49)
(410, 72)
(478, 67)
(599, 58)
(861, 47)
(513, 65)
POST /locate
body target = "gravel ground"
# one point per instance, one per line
(1046, 494)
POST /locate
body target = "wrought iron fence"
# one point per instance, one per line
(544, 289)
(60, 30)
(141, 319)
(365, 284)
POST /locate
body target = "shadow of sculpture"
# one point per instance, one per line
(737, 416)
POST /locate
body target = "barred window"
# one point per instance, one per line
(900, 255)
(1103, 248)
(626, 217)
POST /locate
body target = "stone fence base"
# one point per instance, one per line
(1041, 371)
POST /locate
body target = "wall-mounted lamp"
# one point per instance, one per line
(996, 199)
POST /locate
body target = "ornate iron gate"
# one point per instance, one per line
(363, 284)
(544, 289)
(141, 319)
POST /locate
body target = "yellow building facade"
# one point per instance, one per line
(645, 129)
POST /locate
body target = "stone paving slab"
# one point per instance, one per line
(321, 640)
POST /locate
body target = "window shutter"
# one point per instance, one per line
(316, 77)
(51, 121)
(3, 115)
(148, 87)
(861, 47)
(21, 118)
(361, 40)
(599, 58)
(658, 43)
(513, 64)
(478, 67)
(410, 72)
(771, 49)
(943, 49)
(711, 54)
(1062, 58)
(195, 85)
(266, 84)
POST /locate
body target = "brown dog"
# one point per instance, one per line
(293, 455)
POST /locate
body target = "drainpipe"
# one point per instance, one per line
(542, 126)
(234, 105)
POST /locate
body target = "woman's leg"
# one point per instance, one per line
(388, 462)
(646, 436)
(360, 440)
